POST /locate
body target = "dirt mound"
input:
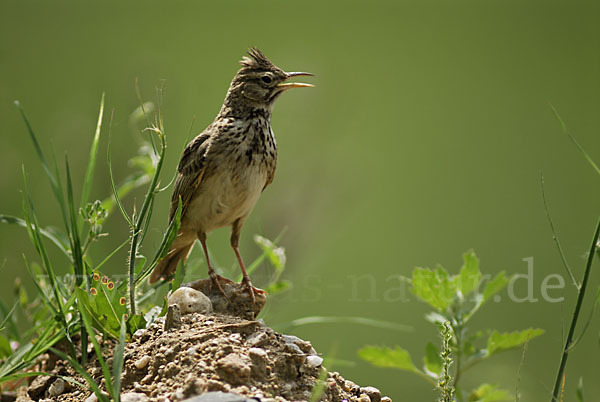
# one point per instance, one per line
(210, 355)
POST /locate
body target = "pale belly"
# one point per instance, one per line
(223, 198)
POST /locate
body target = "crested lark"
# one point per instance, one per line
(224, 170)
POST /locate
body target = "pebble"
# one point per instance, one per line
(134, 397)
(142, 362)
(364, 398)
(56, 388)
(190, 301)
(91, 398)
(257, 339)
(386, 399)
(257, 352)
(173, 318)
(372, 392)
(234, 368)
(314, 361)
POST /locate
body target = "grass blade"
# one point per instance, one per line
(73, 232)
(114, 187)
(105, 371)
(89, 173)
(347, 320)
(83, 373)
(118, 358)
(41, 249)
(568, 133)
(555, 237)
(50, 236)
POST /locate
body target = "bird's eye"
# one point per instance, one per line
(266, 79)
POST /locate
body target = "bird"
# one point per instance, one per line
(224, 170)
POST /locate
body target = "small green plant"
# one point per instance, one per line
(454, 299)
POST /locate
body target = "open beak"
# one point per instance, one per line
(289, 85)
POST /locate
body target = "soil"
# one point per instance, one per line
(214, 355)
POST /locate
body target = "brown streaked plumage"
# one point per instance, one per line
(223, 170)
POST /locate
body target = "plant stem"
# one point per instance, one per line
(580, 296)
(140, 218)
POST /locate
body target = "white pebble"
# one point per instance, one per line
(257, 352)
(313, 361)
(142, 362)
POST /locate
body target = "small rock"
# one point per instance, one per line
(314, 361)
(173, 319)
(147, 379)
(386, 399)
(259, 362)
(190, 301)
(235, 337)
(141, 334)
(257, 352)
(372, 392)
(234, 368)
(134, 397)
(142, 362)
(91, 398)
(56, 388)
(351, 387)
(257, 339)
(220, 397)
(364, 398)
(305, 346)
(38, 386)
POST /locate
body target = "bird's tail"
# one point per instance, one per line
(168, 265)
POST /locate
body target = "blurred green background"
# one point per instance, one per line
(425, 136)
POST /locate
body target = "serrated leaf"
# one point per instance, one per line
(494, 286)
(498, 342)
(433, 287)
(489, 393)
(470, 275)
(276, 254)
(432, 360)
(386, 357)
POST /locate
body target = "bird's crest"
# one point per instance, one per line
(256, 59)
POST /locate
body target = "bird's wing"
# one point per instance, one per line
(190, 171)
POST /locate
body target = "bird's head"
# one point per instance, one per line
(259, 82)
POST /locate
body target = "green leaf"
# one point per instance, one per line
(489, 393)
(579, 391)
(432, 360)
(179, 274)
(386, 357)
(135, 322)
(498, 342)
(470, 275)
(5, 349)
(278, 287)
(433, 287)
(494, 286)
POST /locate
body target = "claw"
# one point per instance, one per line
(216, 280)
(247, 285)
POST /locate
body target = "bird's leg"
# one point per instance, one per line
(235, 241)
(214, 277)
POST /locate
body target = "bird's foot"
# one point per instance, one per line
(215, 280)
(247, 286)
